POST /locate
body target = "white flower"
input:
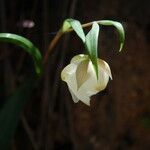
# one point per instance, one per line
(81, 78)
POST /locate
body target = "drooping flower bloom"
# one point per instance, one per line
(81, 78)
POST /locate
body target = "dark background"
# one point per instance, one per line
(119, 117)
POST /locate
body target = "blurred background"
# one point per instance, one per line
(119, 117)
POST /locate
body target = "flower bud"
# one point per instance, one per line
(81, 78)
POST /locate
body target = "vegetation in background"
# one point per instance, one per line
(11, 111)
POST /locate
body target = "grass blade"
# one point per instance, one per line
(27, 46)
(11, 111)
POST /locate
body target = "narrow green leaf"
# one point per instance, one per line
(91, 44)
(11, 111)
(81, 73)
(27, 46)
(76, 26)
(119, 28)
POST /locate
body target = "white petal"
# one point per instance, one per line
(102, 64)
(68, 71)
(78, 58)
(81, 73)
(86, 101)
(69, 76)
(81, 95)
(75, 99)
(92, 85)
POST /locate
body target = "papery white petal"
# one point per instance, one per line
(69, 76)
(81, 73)
(81, 95)
(91, 85)
(75, 99)
(68, 71)
(104, 65)
(78, 58)
(86, 101)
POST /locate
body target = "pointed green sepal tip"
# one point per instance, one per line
(121, 47)
(119, 28)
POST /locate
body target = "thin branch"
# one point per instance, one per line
(52, 45)
(57, 37)
(83, 26)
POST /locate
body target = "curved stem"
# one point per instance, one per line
(83, 26)
(57, 37)
(52, 45)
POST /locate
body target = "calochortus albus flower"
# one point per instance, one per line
(81, 78)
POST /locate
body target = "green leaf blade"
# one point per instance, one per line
(119, 28)
(27, 46)
(76, 26)
(12, 109)
(91, 45)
